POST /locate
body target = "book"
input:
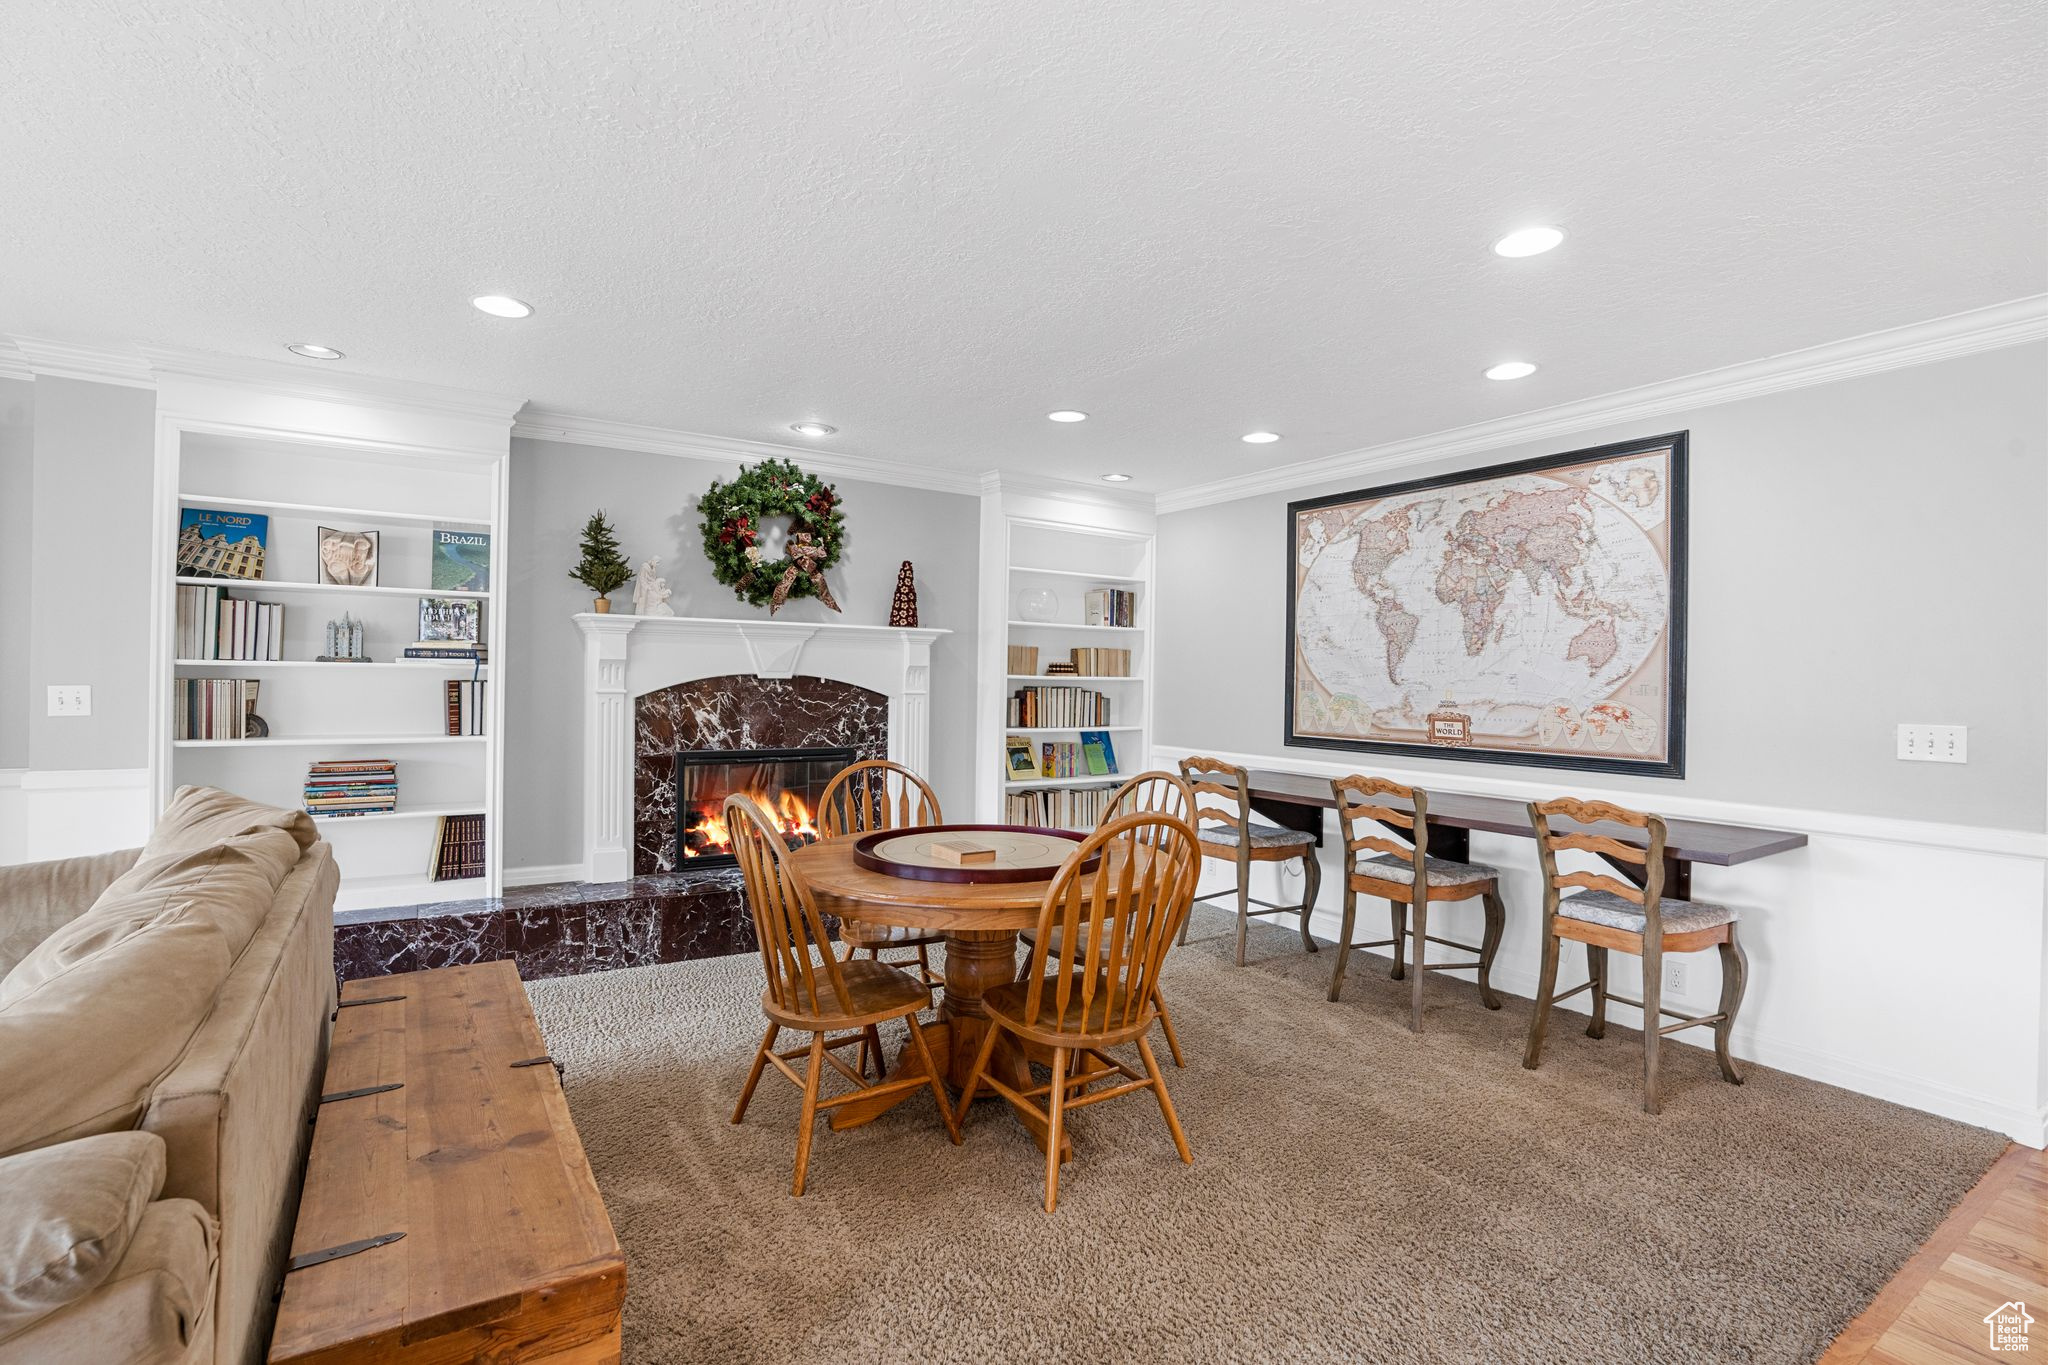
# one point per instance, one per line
(216, 544)
(462, 561)
(1024, 660)
(459, 850)
(451, 621)
(348, 558)
(1109, 607)
(1022, 762)
(1099, 752)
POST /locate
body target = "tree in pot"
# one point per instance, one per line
(602, 569)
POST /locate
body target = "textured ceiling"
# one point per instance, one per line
(929, 224)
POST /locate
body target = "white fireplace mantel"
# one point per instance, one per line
(626, 657)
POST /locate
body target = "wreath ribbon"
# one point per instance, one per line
(806, 561)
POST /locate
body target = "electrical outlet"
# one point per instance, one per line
(1674, 977)
(1934, 743)
(70, 699)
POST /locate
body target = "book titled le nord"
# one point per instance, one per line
(462, 561)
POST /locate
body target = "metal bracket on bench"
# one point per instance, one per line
(341, 1005)
(560, 1070)
(362, 1090)
(312, 1258)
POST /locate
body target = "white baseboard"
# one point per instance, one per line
(544, 874)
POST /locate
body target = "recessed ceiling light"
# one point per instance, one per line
(1067, 415)
(811, 428)
(1528, 241)
(1511, 369)
(1259, 438)
(1116, 478)
(501, 306)
(312, 352)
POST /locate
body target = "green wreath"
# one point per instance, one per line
(732, 531)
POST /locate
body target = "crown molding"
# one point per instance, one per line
(13, 364)
(1922, 343)
(1000, 481)
(291, 380)
(541, 424)
(47, 357)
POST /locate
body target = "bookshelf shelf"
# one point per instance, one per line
(1073, 729)
(1060, 679)
(344, 589)
(1025, 783)
(314, 509)
(1133, 631)
(1032, 571)
(300, 466)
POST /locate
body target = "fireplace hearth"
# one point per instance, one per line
(788, 783)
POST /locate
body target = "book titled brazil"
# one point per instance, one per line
(215, 544)
(462, 561)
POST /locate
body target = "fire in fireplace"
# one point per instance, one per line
(789, 784)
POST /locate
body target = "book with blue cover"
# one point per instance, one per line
(462, 561)
(216, 544)
(1099, 752)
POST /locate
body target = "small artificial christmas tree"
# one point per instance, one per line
(903, 611)
(603, 569)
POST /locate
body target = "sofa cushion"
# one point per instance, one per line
(198, 816)
(69, 1213)
(230, 884)
(81, 1051)
(155, 1308)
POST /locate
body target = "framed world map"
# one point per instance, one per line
(1528, 613)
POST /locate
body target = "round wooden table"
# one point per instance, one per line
(980, 921)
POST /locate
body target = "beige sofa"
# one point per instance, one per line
(182, 990)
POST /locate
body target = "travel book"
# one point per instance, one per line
(1023, 763)
(213, 544)
(462, 561)
(1099, 752)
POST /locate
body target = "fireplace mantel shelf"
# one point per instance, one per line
(627, 656)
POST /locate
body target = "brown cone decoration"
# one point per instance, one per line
(903, 611)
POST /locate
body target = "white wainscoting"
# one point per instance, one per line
(46, 815)
(1899, 959)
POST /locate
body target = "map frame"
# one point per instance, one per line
(1678, 536)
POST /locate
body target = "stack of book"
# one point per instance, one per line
(465, 698)
(212, 625)
(1058, 807)
(1060, 668)
(1024, 660)
(448, 651)
(1109, 607)
(1034, 708)
(356, 786)
(211, 708)
(1102, 663)
(458, 848)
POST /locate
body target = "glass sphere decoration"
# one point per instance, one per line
(1038, 604)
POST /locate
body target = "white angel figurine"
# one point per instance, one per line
(651, 594)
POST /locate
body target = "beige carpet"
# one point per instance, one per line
(1358, 1193)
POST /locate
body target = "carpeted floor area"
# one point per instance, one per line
(1358, 1193)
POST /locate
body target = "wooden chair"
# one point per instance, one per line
(1227, 831)
(1078, 999)
(1160, 793)
(1404, 874)
(1635, 917)
(871, 795)
(812, 991)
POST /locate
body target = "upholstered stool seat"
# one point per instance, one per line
(1262, 835)
(1440, 871)
(1680, 917)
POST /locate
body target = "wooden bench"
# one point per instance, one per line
(469, 1152)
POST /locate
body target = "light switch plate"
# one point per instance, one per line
(71, 699)
(1934, 743)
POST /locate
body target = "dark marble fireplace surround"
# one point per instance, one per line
(660, 914)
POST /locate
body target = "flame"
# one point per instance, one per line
(788, 810)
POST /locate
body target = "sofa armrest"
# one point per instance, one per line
(156, 1308)
(37, 899)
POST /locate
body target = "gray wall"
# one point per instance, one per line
(652, 502)
(89, 597)
(17, 457)
(1863, 553)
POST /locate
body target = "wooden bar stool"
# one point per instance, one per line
(1635, 917)
(1153, 793)
(1230, 834)
(1405, 874)
(811, 991)
(871, 795)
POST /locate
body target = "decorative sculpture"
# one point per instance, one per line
(903, 610)
(651, 594)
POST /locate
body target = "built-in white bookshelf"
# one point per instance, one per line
(404, 476)
(1048, 570)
